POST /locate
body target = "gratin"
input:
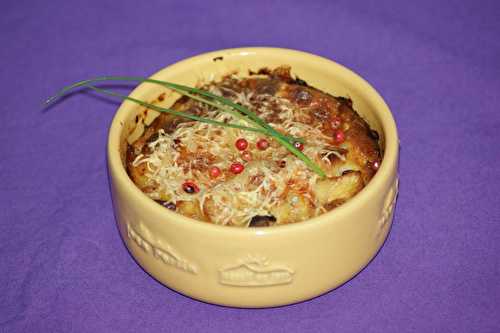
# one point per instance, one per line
(234, 177)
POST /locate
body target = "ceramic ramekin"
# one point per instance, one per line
(257, 267)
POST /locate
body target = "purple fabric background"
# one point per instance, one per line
(63, 267)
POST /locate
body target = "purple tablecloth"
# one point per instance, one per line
(63, 265)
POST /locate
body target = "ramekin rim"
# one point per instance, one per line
(385, 170)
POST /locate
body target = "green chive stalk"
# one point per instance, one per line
(221, 103)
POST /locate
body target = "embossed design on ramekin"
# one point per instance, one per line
(254, 271)
(143, 238)
(389, 204)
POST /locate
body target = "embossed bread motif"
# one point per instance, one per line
(255, 272)
(389, 204)
(158, 249)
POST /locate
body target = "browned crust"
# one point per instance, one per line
(361, 143)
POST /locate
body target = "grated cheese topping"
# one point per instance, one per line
(274, 183)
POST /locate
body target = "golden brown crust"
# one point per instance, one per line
(350, 163)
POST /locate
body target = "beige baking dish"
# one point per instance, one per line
(257, 267)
